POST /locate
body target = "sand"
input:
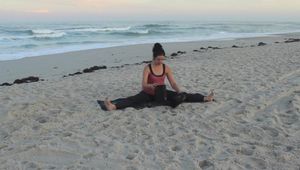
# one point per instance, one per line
(254, 124)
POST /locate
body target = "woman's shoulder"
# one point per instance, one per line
(167, 68)
(146, 67)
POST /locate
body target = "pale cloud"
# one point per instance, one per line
(39, 11)
(152, 8)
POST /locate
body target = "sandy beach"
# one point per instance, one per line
(254, 123)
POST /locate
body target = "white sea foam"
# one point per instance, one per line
(15, 39)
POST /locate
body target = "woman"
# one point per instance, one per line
(154, 75)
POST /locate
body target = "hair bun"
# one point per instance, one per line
(157, 46)
(158, 50)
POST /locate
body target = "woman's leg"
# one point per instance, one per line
(131, 101)
(189, 97)
(197, 97)
(194, 97)
(173, 99)
(171, 95)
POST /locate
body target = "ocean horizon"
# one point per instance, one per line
(26, 40)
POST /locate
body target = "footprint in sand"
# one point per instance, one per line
(289, 148)
(249, 150)
(271, 131)
(234, 134)
(48, 156)
(3, 135)
(176, 148)
(42, 119)
(254, 163)
(130, 156)
(258, 163)
(31, 165)
(131, 168)
(205, 164)
(171, 133)
(89, 155)
(289, 118)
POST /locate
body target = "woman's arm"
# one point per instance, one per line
(172, 80)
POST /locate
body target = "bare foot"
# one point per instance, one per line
(109, 106)
(210, 97)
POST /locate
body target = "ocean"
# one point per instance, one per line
(35, 39)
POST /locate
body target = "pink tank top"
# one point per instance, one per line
(152, 78)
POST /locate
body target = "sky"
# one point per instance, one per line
(60, 10)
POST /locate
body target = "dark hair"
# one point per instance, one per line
(158, 50)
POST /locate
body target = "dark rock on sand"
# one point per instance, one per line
(205, 164)
(29, 79)
(261, 44)
(26, 80)
(42, 119)
(290, 40)
(75, 74)
(146, 61)
(214, 48)
(92, 69)
(174, 54)
(181, 52)
(88, 70)
(202, 48)
(6, 84)
(234, 46)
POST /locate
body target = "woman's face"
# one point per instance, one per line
(159, 59)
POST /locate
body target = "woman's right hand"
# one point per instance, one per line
(152, 86)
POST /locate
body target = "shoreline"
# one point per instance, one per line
(68, 37)
(186, 41)
(63, 64)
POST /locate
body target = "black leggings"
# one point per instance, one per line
(142, 98)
